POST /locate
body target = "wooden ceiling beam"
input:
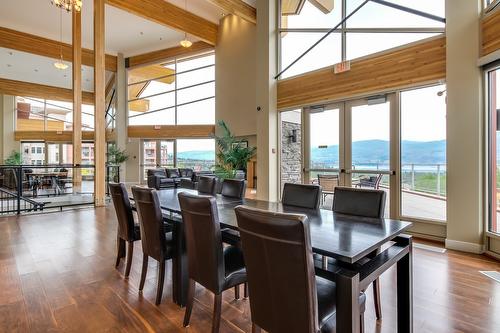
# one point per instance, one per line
(28, 89)
(169, 15)
(326, 6)
(167, 54)
(238, 8)
(291, 7)
(33, 44)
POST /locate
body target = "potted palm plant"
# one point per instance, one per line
(233, 154)
(115, 158)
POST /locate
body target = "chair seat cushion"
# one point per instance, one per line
(234, 266)
(137, 231)
(326, 291)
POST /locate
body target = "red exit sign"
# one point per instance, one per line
(342, 67)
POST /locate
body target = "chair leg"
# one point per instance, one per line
(217, 313)
(362, 323)
(237, 292)
(190, 301)
(255, 328)
(376, 298)
(245, 290)
(130, 254)
(161, 280)
(120, 250)
(144, 271)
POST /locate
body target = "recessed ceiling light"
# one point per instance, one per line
(65, 75)
(9, 65)
(141, 33)
(161, 38)
(10, 53)
(36, 70)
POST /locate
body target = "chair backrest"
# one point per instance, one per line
(282, 291)
(173, 173)
(328, 182)
(234, 188)
(186, 172)
(203, 240)
(123, 211)
(151, 221)
(301, 195)
(359, 202)
(206, 185)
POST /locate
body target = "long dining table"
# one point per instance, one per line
(347, 240)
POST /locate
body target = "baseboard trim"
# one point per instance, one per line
(493, 255)
(433, 238)
(464, 246)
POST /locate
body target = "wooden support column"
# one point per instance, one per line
(77, 97)
(99, 103)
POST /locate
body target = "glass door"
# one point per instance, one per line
(493, 184)
(167, 154)
(149, 156)
(324, 149)
(367, 145)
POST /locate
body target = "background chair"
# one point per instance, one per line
(206, 185)
(128, 230)
(301, 195)
(366, 203)
(233, 188)
(155, 242)
(370, 182)
(285, 295)
(210, 264)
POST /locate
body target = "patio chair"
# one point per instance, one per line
(370, 182)
(328, 184)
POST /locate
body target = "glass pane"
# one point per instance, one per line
(167, 154)
(33, 153)
(423, 153)
(374, 15)
(196, 93)
(88, 117)
(324, 140)
(149, 156)
(199, 113)
(188, 64)
(362, 44)
(311, 17)
(30, 114)
(53, 153)
(195, 77)
(59, 116)
(293, 44)
(494, 97)
(163, 117)
(291, 147)
(198, 154)
(67, 153)
(370, 136)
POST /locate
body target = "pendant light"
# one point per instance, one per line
(185, 42)
(60, 64)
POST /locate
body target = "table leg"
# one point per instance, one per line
(180, 278)
(348, 319)
(405, 292)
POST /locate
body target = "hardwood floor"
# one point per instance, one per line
(57, 275)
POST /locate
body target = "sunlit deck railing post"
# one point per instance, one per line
(438, 183)
(413, 176)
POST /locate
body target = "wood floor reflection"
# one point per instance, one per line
(57, 275)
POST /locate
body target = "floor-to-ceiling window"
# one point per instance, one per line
(423, 153)
(375, 27)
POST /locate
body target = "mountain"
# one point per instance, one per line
(202, 155)
(377, 151)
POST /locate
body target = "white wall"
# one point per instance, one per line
(8, 126)
(464, 126)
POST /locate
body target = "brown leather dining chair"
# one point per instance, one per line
(128, 230)
(365, 203)
(215, 267)
(206, 185)
(301, 195)
(234, 188)
(155, 242)
(285, 295)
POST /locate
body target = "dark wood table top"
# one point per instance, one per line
(346, 238)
